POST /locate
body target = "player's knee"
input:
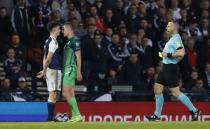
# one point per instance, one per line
(64, 94)
(158, 91)
(67, 95)
(175, 93)
(53, 96)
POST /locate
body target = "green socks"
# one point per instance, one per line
(74, 108)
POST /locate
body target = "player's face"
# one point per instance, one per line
(65, 31)
(170, 27)
(57, 30)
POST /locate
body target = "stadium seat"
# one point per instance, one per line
(2, 73)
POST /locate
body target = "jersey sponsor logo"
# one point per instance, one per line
(178, 44)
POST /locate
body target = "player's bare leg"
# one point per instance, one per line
(68, 93)
(195, 113)
(159, 100)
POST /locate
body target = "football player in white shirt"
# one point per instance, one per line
(52, 67)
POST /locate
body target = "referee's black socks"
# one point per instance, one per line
(51, 107)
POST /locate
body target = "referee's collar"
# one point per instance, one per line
(174, 34)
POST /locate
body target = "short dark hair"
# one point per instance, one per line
(3, 7)
(68, 24)
(52, 25)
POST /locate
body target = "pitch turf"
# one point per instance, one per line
(108, 125)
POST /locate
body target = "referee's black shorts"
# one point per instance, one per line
(169, 76)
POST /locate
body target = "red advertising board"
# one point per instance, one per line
(133, 111)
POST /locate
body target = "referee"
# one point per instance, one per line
(172, 53)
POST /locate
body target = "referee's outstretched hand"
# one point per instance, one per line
(162, 54)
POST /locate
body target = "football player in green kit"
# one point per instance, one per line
(71, 71)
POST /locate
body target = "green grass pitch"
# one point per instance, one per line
(107, 125)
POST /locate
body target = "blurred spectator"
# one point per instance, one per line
(204, 4)
(90, 21)
(202, 92)
(185, 37)
(101, 7)
(42, 14)
(191, 80)
(82, 6)
(193, 30)
(206, 76)
(142, 10)
(159, 20)
(108, 36)
(73, 12)
(206, 51)
(9, 4)
(5, 25)
(131, 73)
(12, 67)
(21, 19)
(132, 19)
(204, 27)
(61, 5)
(23, 90)
(147, 56)
(98, 59)
(146, 25)
(118, 11)
(78, 28)
(149, 78)
(56, 16)
(175, 10)
(87, 41)
(86, 44)
(109, 19)
(187, 4)
(123, 33)
(93, 12)
(16, 44)
(191, 52)
(5, 94)
(184, 21)
(132, 45)
(128, 8)
(117, 56)
(204, 14)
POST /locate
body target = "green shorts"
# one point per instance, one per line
(69, 77)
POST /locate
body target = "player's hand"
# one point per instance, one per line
(40, 74)
(164, 54)
(79, 76)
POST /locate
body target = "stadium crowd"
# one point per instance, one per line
(120, 41)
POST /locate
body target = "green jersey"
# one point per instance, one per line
(69, 57)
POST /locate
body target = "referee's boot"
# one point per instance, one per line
(195, 115)
(153, 118)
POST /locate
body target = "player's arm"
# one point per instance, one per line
(47, 60)
(79, 62)
(179, 53)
